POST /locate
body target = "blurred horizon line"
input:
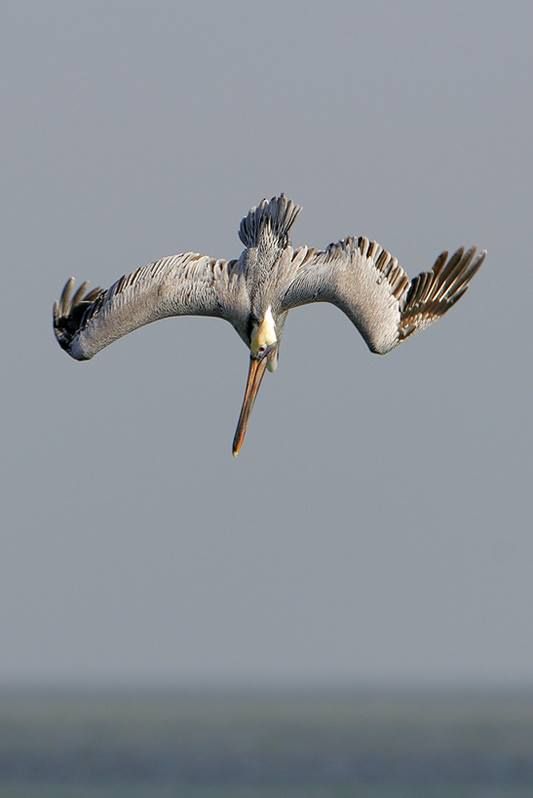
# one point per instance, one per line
(244, 686)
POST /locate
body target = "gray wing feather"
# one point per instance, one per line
(275, 217)
(184, 284)
(367, 283)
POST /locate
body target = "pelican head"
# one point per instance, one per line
(263, 355)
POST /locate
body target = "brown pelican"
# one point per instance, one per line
(256, 291)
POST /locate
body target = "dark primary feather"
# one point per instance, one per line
(433, 293)
(70, 311)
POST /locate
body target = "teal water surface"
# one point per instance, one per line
(269, 744)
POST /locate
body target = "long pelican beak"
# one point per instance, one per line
(256, 372)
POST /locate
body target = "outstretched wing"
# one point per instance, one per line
(185, 284)
(368, 284)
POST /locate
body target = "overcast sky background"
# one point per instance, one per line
(377, 525)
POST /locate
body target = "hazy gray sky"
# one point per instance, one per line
(377, 523)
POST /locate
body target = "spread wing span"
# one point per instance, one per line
(367, 283)
(86, 321)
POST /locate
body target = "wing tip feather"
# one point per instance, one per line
(432, 294)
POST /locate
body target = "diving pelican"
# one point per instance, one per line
(256, 292)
